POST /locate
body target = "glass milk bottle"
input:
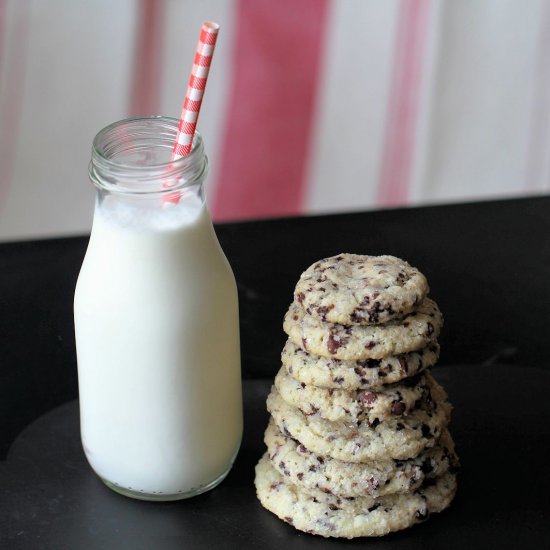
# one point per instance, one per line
(156, 321)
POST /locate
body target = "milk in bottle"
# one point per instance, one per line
(156, 321)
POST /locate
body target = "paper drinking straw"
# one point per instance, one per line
(195, 89)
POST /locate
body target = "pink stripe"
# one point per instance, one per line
(404, 103)
(276, 66)
(145, 92)
(539, 138)
(14, 77)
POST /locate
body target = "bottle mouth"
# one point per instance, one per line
(134, 156)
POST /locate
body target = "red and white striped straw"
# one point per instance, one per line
(195, 89)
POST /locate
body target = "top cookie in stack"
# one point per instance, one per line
(357, 443)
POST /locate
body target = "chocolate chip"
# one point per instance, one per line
(302, 448)
(323, 310)
(334, 342)
(374, 423)
(370, 345)
(300, 297)
(300, 476)
(288, 519)
(373, 483)
(312, 410)
(400, 426)
(426, 432)
(367, 398)
(357, 315)
(373, 508)
(403, 365)
(398, 408)
(374, 312)
(313, 468)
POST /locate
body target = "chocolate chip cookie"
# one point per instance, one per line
(327, 372)
(357, 342)
(389, 401)
(355, 289)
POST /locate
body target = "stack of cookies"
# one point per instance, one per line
(357, 443)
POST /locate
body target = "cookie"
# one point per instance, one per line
(398, 438)
(301, 467)
(327, 372)
(412, 333)
(358, 518)
(351, 406)
(352, 289)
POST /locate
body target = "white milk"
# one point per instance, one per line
(157, 334)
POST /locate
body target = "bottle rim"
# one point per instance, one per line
(109, 173)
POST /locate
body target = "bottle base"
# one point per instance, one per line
(165, 497)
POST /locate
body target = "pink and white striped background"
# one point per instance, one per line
(312, 105)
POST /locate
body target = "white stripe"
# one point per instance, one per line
(479, 119)
(200, 71)
(70, 73)
(194, 94)
(349, 130)
(205, 49)
(184, 139)
(428, 92)
(190, 116)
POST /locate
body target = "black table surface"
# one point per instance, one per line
(488, 264)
